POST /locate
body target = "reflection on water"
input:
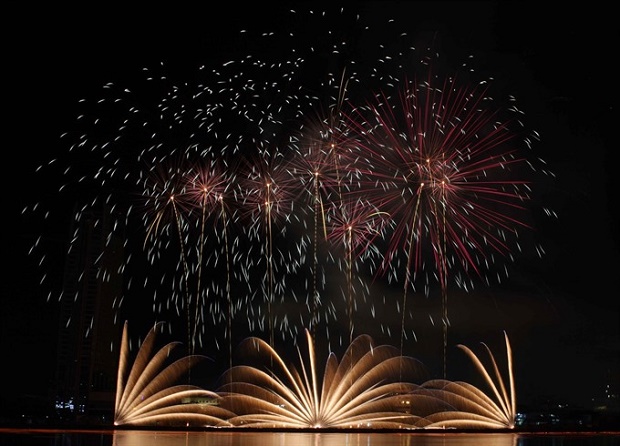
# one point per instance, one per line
(54, 437)
(143, 438)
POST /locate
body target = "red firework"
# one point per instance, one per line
(447, 171)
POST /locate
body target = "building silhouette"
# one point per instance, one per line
(88, 335)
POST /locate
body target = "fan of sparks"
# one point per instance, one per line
(370, 386)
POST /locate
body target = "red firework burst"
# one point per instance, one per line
(448, 172)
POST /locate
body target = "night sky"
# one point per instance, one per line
(560, 311)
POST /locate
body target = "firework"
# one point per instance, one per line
(356, 392)
(365, 388)
(148, 393)
(453, 176)
(240, 191)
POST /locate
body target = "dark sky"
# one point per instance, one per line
(560, 63)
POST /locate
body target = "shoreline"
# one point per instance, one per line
(77, 428)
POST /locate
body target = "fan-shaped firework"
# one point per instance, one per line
(370, 387)
(148, 393)
(364, 389)
(458, 404)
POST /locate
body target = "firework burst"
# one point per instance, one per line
(234, 192)
(452, 175)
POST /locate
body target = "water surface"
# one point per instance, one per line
(60, 437)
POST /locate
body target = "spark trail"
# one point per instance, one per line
(237, 195)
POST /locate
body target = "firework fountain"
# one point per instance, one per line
(373, 386)
(247, 196)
